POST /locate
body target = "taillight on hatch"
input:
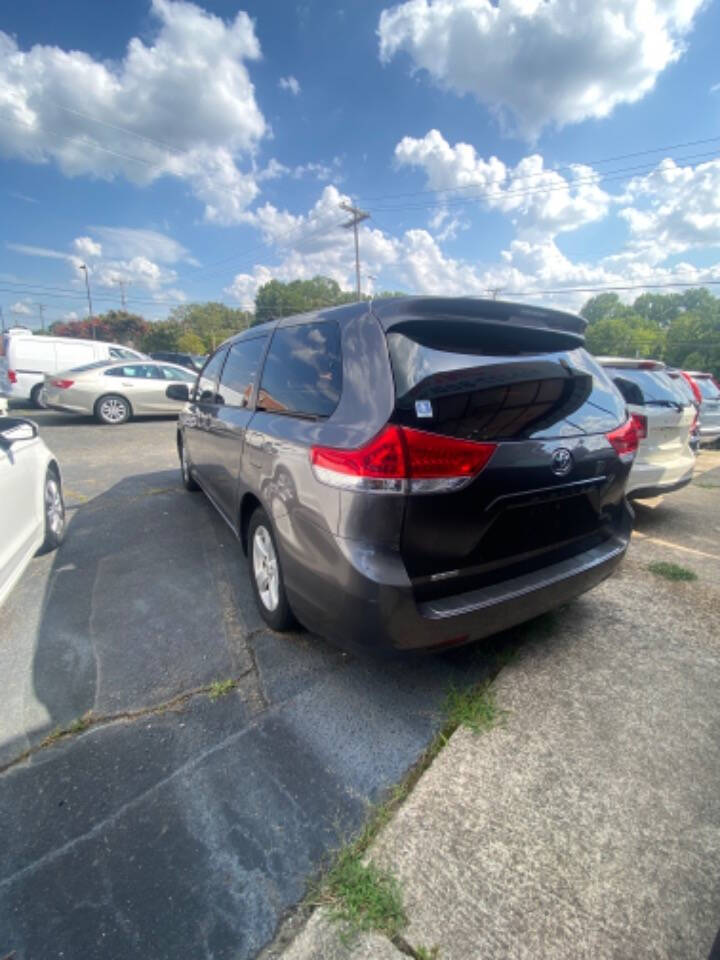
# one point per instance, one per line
(62, 384)
(641, 425)
(12, 376)
(402, 460)
(625, 440)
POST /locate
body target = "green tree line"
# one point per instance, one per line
(682, 329)
(199, 327)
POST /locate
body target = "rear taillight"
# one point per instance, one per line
(62, 384)
(625, 440)
(641, 425)
(403, 460)
(12, 376)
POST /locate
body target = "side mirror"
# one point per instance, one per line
(13, 430)
(178, 391)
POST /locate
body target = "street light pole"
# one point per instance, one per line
(87, 287)
(357, 217)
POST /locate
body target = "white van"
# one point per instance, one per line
(28, 358)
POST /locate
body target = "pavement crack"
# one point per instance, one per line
(91, 720)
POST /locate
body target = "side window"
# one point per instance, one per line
(176, 374)
(207, 384)
(238, 375)
(631, 391)
(303, 370)
(132, 371)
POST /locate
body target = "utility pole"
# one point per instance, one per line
(41, 311)
(2, 319)
(122, 295)
(495, 291)
(357, 217)
(87, 287)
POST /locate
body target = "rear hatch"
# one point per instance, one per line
(667, 414)
(553, 487)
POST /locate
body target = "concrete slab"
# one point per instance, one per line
(321, 940)
(589, 824)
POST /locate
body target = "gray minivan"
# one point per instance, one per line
(413, 473)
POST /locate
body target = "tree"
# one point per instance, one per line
(116, 326)
(278, 299)
(190, 342)
(683, 329)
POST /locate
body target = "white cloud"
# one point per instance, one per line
(715, 88)
(21, 309)
(541, 61)
(673, 209)
(32, 251)
(87, 247)
(310, 244)
(136, 242)
(539, 202)
(182, 105)
(70, 316)
(289, 83)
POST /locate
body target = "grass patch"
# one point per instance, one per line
(363, 897)
(671, 571)
(473, 707)
(221, 688)
(425, 953)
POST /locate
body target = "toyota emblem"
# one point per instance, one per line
(562, 462)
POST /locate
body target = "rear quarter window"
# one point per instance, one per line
(645, 387)
(303, 370)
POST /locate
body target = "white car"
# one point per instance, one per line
(664, 418)
(28, 358)
(32, 511)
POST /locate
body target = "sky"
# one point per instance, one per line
(529, 149)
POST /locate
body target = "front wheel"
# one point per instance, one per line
(54, 507)
(112, 410)
(266, 575)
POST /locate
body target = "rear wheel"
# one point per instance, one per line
(186, 472)
(54, 507)
(37, 397)
(112, 410)
(266, 575)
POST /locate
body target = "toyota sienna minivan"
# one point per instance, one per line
(414, 473)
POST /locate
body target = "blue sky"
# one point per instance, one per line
(193, 151)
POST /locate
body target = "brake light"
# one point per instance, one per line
(403, 460)
(625, 440)
(12, 376)
(641, 425)
(62, 384)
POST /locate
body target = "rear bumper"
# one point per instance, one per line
(661, 478)
(370, 605)
(709, 432)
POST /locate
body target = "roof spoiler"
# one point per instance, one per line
(495, 324)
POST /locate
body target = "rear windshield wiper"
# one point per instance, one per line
(293, 413)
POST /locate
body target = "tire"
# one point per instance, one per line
(54, 507)
(266, 576)
(36, 396)
(112, 410)
(185, 471)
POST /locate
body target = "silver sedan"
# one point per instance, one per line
(113, 392)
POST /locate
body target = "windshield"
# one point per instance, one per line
(707, 388)
(646, 387)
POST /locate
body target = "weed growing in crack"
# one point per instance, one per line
(363, 896)
(221, 688)
(473, 707)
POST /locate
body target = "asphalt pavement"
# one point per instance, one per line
(170, 823)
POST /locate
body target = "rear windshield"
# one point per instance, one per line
(646, 387)
(481, 396)
(707, 388)
(682, 386)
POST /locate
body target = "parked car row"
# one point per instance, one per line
(481, 481)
